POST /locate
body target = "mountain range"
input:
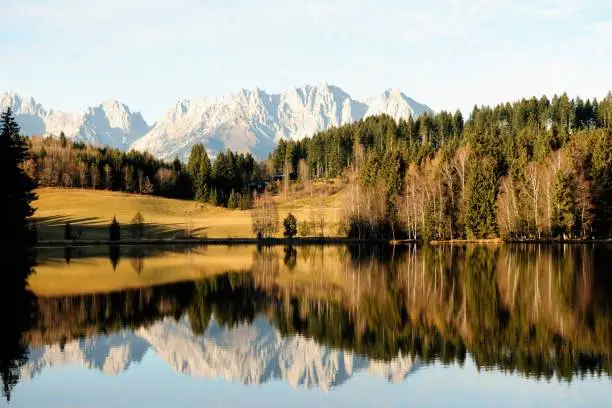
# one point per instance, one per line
(248, 353)
(110, 123)
(247, 121)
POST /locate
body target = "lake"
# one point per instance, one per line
(468, 325)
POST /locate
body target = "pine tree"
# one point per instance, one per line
(481, 185)
(17, 191)
(212, 198)
(290, 225)
(115, 230)
(223, 172)
(566, 199)
(232, 202)
(200, 172)
(244, 201)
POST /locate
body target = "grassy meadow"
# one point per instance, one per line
(90, 213)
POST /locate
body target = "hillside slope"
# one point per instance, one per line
(91, 211)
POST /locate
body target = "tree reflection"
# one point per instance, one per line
(18, 310)
(290, 259)
(114, 255)
(542, 311)
(137, 256)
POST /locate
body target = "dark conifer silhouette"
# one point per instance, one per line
(17, 304)
(17, 191)
(115, 230)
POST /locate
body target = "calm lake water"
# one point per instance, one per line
(310, 326)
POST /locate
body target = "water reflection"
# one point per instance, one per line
(17, 313)
(315, 316)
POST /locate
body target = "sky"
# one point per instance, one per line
(71, 54)
(154, 383)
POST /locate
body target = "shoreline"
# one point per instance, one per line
(499, 241)
(303, 241)
(217, 241)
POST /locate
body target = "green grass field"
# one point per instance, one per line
(90, 213)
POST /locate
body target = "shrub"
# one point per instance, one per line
(305, 229)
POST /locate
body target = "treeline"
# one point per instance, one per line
(59, 162)
(533, 169)
(227, 181)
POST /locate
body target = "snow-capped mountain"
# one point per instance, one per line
(394, 103)
(247, 121)
(111, 123)
(248, 353)
(255, 120)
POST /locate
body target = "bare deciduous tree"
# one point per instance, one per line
(128, 178)
(82, 174)
(67, 180)
(460, 164)
(264, 217)
(95, 176)
(532, 175)
(165, 178)
(147, 186)
(108, 177)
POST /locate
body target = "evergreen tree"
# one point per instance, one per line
(481, 213)
(233, 201)
(565, 197)
(224, 173)
(212, 199)
(243, 203)
(200, 172)
(115, 230)
(17, 191)
(290, 226)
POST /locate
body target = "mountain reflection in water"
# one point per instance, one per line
(316, 316)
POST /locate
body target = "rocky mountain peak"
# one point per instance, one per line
(246, 121)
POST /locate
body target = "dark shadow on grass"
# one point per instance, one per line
(93, 228)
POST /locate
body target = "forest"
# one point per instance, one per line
(59, 162)
(532, 169)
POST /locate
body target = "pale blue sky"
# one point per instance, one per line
(70, 54)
